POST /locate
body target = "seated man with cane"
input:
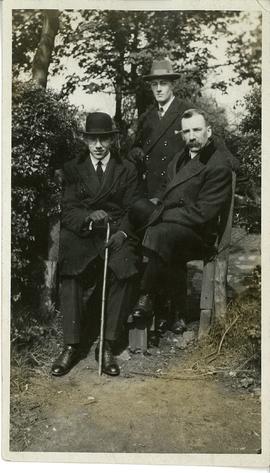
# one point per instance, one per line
(184, 224)
(98, 188)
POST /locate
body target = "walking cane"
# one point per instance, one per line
(101, 336)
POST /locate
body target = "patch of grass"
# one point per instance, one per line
(34, 345)
(239, 333)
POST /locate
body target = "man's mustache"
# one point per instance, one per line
(193, 143)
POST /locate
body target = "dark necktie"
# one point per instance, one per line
(99, 171)
(188, 158)
(160, 112)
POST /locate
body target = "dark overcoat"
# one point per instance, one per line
(197, 191)
(82, 195)
(160, 140)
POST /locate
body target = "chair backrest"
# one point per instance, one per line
(223, 235)
(226, 220)
(213, 294)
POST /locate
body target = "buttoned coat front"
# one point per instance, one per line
(160, 140)
(82, 195)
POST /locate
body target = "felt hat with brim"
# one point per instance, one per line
(99, 123)
(162, 70)
(144, 213)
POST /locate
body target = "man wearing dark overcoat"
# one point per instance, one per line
(157, 140)
(99, 187)
(186, 218)
(158, 135)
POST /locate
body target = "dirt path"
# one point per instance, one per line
(160, 403)
(184, 413)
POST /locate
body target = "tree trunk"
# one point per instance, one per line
(118, 86)
(42, 58)
(40, 70)
(118, 108)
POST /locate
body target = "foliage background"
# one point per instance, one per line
(43, 132)
(99, 58)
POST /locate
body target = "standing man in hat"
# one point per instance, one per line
(158, 139)
(99, 187)
(158, 136)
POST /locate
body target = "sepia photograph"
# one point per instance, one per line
(133, 166)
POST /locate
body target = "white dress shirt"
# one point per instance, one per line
(104, 161)
(193, 154)
(165, 107)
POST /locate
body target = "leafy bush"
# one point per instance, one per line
(245, 143)
(43, 137)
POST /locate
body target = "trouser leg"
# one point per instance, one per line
(177, 287)
(71, 309)
(175, 245)
(154, 274)
(160, 279)
(120, 299)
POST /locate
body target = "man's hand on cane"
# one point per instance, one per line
(116, 240)
(155, 200)
(98, 216)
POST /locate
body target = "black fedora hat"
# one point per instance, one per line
(99, 123)
(144, 213)
(162, 69)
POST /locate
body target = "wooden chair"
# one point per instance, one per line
(213, 300)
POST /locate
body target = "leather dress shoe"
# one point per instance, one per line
(162, 326)
(144, 307)
(66, 360)
(178, 326)
(109, 365)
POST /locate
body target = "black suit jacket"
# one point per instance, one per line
(82, 195)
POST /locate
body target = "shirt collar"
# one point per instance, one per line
(205, 153)
(193, 155)
(104, 161)
(166, 106)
